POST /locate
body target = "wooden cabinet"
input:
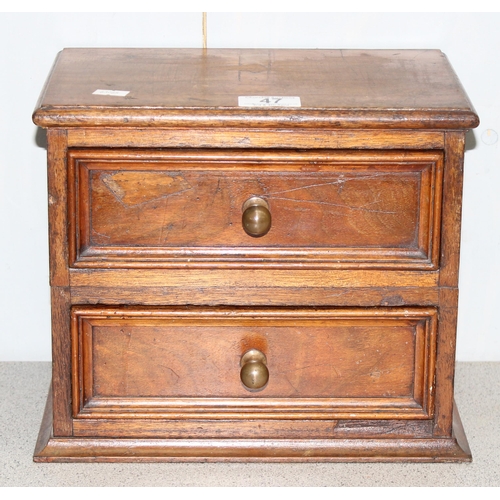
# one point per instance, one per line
(253, 255)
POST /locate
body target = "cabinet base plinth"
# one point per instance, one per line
(88, 449)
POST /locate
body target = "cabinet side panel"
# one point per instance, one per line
(445, 365)
(452, 208)
(61, 362)
(57, 186)
(448, 281)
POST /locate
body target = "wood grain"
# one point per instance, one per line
(254, 450)
(245, 138)
(297, 294)
(157, 291)
(445, 361)
(57, 208)
(251, 278)
(452, 200)
(337, 88)
(153, 360)
(374, 209)
(258, 429)
(92, 449)
(61, 361)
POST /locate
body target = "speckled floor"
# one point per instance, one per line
(23, 389)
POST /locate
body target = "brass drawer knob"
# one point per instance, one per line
(254, 373)
(256, 217)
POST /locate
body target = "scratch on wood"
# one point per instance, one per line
(288, 380)
(338, 294)
(299, 368)
(341, 180)
(161, 239)
(177, 377)
(126, 358)
(337, 205)
(101, 234)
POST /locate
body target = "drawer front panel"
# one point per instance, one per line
(331, 361)
(337, 209)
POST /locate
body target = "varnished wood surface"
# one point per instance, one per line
(373, 209)
(245, 138)
(257, 294)
(452, 200)
(57, 184)
(445, 366)
(363, 360)
(253, 278)
(61, 361)
(140, 359)
(193, 87)
(157, 291)
(253, 287)
(396, 449)
(257, 428)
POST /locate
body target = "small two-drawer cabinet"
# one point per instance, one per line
(253, 255)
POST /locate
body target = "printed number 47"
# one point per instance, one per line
(271, 100)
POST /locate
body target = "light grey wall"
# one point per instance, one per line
(30, 42)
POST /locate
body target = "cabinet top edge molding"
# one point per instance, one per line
(330, 89)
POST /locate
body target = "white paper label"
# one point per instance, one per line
(117, 93)
(262, 101)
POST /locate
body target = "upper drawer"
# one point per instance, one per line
(335, 209)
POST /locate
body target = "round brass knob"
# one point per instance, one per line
(254, 373)
(256, 217)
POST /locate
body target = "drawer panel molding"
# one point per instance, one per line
(323, 363)
(333, 209)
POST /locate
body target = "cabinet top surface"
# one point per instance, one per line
(173, 87)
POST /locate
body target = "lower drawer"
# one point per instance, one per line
(186, 363)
